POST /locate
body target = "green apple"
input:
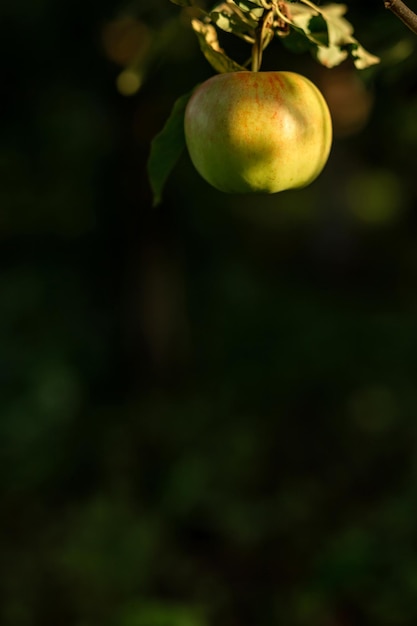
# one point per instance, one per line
(258, 131)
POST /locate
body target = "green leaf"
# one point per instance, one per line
(361, 57)
(330, 32)
(210, 47)
(318, 29)
(296, 42)
(231, 19)
(341, 35)
(166, 148)
(254, 7)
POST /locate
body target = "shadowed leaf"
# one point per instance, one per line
(166, 148)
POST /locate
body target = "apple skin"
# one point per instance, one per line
(259, 132)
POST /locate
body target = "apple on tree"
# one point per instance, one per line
(251, 131)
(258, 131)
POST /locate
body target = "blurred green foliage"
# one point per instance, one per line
(207, 410)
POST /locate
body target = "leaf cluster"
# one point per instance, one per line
(323, 30)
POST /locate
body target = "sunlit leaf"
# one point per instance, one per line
(166, 148)
(210, 47)
(330, 56)
(361, 57)
(330, 32)
(341, 34)
(228, 17)
(254, 7)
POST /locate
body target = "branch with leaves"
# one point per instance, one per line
(324, 31)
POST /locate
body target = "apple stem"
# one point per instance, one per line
(257, 52)
(403, 12)
(263, 37)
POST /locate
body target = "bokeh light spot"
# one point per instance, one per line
(129, 82)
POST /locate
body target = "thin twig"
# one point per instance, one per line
(402, 11)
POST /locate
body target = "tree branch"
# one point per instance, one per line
(402, 11)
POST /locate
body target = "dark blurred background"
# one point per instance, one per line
(208, 409)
